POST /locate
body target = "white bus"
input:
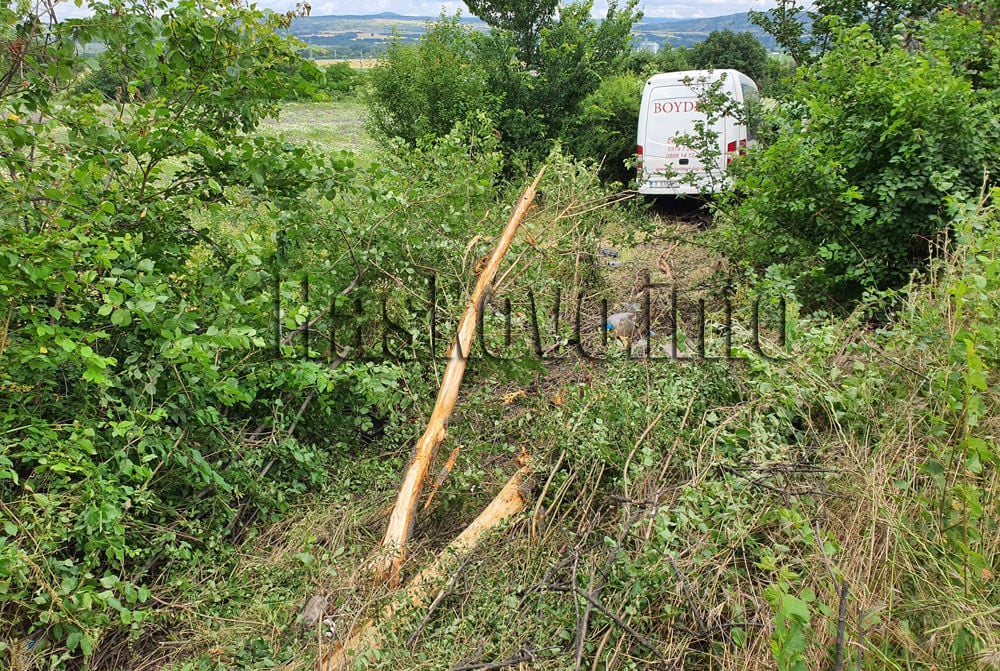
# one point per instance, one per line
(666, 165)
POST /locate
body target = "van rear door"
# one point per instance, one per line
(671, 115)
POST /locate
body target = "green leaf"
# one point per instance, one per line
(795, 608)
(122, 317)
(146, 305)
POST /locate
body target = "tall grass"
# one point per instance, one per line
(835, 510)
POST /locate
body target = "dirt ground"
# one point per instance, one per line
(677, 256)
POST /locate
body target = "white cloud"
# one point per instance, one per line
(405, 7)
(700, 8)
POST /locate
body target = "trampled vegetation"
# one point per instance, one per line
(228, 279)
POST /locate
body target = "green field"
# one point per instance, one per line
(335, 125)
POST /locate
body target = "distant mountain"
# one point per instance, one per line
(390, 16)
(361, 36)
(662, 19)
(685, 32)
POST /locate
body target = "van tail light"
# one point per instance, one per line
(733, 150)
(638, 162)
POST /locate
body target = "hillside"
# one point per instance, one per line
(361, 36)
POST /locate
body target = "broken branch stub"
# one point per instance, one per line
(366, 637)
(393, 548)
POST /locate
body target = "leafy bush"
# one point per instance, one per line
(854, 193)
(424, 89)
(308, 81)
(340, 77)
(667, 59)
(147, 423)
(605, 128)
(726, 49)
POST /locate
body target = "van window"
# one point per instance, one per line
(751, 107)
(750, 94)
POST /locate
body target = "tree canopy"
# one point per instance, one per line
(727, 49)
(525, 20)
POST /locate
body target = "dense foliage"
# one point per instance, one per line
(604, 128)
(423, 91)
(200, 323)
(874, 142)
(425, 88)
(523, 19)
(131, 333)
(726, 49)
(806, 32)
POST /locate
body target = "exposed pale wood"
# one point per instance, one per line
(445, 472)
(393, 547)
(418, 594)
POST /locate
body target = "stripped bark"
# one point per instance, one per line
(366, 638)
(392, 552)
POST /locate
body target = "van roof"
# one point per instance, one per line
(707, 75)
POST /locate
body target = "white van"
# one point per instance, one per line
(666, 166)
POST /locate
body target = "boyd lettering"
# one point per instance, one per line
(671, 106)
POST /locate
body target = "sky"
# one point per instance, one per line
(674, 9)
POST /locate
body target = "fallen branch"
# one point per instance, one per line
(366, 638)
(662, 264)
(445, 472)
(393, 547)
(518, 659)
(639, 638)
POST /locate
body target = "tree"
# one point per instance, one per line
(807, 34)
(575, 54)
(787, 23)
(854, 198)
(728, 49)
(525, 20)
(423, 89)
(672, 59)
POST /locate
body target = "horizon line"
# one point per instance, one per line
(471, 16)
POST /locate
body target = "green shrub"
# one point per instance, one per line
(422, 90)
(134, 358)
(727, 49)
(309, 81)
(340, 78)
(667, 59)
(604, 129)
(852, 195)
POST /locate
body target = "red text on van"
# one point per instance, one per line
(670, 106)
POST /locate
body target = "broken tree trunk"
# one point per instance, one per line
(393, 548)
(365, 638)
